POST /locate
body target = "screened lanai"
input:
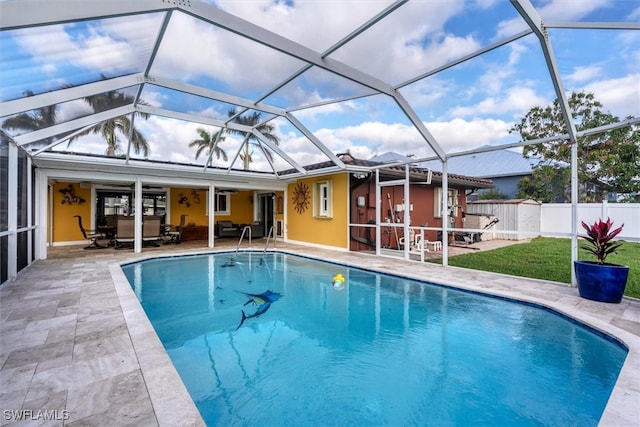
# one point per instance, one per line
(273, 86)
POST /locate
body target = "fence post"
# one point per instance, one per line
(605, 209)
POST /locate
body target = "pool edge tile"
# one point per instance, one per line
(170, 399)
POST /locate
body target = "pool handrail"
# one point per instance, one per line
(269, 235)
(246, 227)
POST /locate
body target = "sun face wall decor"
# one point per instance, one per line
(301, 196)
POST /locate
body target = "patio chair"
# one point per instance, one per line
(91, 235)
(412, 240)
(436, 245)
(175, 233)
(151, 231)
(125, 233)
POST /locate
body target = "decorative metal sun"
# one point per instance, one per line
(301, 196)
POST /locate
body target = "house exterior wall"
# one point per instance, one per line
(185, 201)
(308, 227)
(64, 225)
(195, 207)
(423, 201)
(507, 185)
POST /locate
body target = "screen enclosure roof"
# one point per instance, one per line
(269, 86)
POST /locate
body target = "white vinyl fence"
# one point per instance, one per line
(524, 219)
(556, 217)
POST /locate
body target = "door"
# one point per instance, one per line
(266, 214)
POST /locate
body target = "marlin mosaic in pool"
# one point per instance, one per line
(373, 349)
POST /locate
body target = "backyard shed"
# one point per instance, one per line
(519, 219)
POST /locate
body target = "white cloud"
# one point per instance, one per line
(619, 96)
(584, 74)
(515, 101)
(552, 10)
(370, 138)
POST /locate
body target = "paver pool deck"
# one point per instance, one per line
(75, 342)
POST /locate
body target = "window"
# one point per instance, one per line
(322, 199)
(222, 204)
(451, 202)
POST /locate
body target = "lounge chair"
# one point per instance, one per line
(92, 236)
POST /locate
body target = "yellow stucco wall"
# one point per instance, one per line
(193, 203)
(305, 227)
(241, 208)
(65, 226)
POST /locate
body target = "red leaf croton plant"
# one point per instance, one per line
(600, 235)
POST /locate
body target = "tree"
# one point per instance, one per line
(205, 144)
(492, 194)
(547, 183)
(253, 120)
(33, 120)
(608, 161)
(109, 129)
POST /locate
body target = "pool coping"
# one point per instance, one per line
(173, 405)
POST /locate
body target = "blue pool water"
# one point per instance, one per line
(383, 350)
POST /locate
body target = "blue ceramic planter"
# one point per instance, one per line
(603, 283)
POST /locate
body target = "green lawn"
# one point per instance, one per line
(549, 259)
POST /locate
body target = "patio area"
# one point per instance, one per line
(74, 340)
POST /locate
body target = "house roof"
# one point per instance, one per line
(487, 164)
(415, 174)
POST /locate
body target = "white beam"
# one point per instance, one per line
(72, 125)
(215, 95)
(16, 14)
(68, 94)
(355, 33)
(315, 141)
(279, 151)
(420, 127)
(275, 41)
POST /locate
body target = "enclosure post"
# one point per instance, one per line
(378, 212)
(407, 219)
(443, 214)
(574, 208)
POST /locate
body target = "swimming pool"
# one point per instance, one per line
(382, 351)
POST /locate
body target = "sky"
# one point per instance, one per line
(466, 106)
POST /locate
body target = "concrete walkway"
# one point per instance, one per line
(76, 346)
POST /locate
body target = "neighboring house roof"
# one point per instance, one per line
(490, 164)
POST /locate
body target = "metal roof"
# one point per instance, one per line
(490, 164)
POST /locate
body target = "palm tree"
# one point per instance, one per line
(266, 129)
(109, 128)
(205, 144)
(35, 120)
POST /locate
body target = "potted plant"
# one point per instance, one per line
(600, 280)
